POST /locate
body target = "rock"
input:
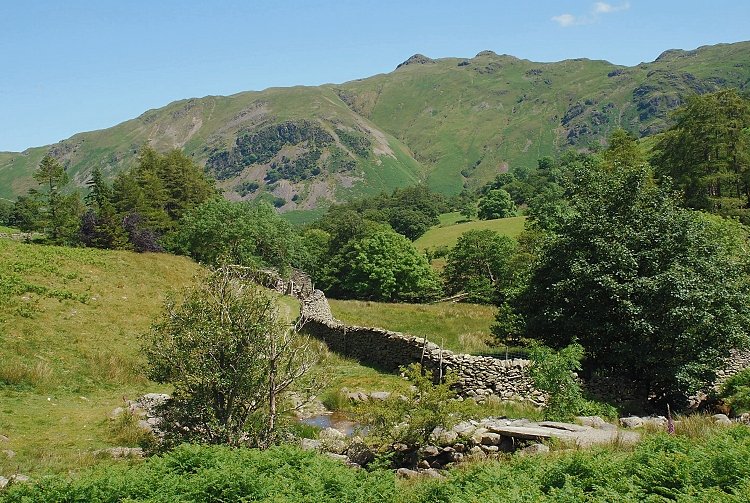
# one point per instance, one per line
(332, 440)
(459, 447)
(116, 413)
(745, 418)
(309, 444)
(3, 438)
(490, 438)
(380, 395)
(9, 454)
(476, 437)
(593, 421)
(429, 451)
(722, 419)
(145, 425)
(406, 473)
(337, 457)
(357, 396)
(121, 452)
(424, 464)
(3, 482)
(464, 429)
(476, 452)
(19, 478)
(432, 473)
(535, 449)
(151, 401)
(443, 437)
(359, 453)
(631, 422)
(490, 449)
(655, 421)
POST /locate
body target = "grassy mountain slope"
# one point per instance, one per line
(451, 122)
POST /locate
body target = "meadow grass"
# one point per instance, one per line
(463, 328)
(71, 321)
(70, 326)
(446, 234)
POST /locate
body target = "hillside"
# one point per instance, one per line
(450, 122)
(446, 234)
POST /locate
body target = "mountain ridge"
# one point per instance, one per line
(448, 122)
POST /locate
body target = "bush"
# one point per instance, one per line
(216, 473)
(736, 391)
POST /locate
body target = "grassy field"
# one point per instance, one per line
(69, 350)
(449, 230)
(70, 322)
(459, 327)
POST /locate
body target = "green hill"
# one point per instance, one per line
(450, 229)
(448, 122)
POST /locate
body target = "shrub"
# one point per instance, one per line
(736, 391)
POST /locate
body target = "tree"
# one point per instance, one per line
(496, 204)
(385, 266)
(152, 197)
(100, 225)
(707, 152)
(221, 231)
(59, 213)
(230, 358)
(26, 212)
(655, 294)
(623, 151)
(478, 264)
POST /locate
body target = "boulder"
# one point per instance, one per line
(534, 449)
(721, 419)
(443, 437)
(358, 452)
(332, 440)
(380, 395)
(631, 422)
(424, 464)
(9, 454)
(406, 473)
(429, 451)
(490, 438)
(337, 457)
(309, 444)
(3, 482)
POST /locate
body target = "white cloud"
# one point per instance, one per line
(605, 8)
(599, 8)
(565, 20)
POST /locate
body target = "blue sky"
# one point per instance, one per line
(71, 66)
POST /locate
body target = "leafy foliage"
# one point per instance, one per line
(261, 146)
(478, 264)
(229, 357)
(496, 204)
(218, 473)
(220, 231)
(49, 208)
(654, 293)
(707, 152)
(736, 390)
(410, 419)
(385, 266)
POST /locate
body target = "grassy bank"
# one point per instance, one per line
(451, 227)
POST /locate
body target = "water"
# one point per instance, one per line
(335, 420)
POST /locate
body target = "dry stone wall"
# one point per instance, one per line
(478, 376)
